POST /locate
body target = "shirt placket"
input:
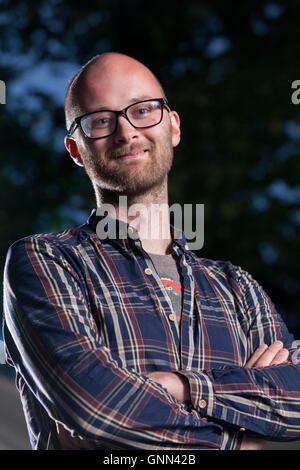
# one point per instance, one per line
(164, 306)
(187, 347)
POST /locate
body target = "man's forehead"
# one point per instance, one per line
(111, 80)
(113, 63)
(116, 81)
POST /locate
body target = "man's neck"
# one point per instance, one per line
(147, 213)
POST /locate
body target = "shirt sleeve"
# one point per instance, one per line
(263, 401)
(55, 345)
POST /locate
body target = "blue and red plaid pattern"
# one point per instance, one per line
(87, 319)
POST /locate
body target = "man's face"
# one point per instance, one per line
(131, 161)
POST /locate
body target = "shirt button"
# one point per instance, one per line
(148, 271)
(202, 403)
(172, 317)
(242, 429)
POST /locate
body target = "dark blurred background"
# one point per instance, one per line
(227, 68)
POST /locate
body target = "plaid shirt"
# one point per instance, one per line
(87, 319)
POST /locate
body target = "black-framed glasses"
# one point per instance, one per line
(100, 124)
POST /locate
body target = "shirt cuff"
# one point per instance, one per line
(201, 391)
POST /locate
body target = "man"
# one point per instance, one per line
(133, 342)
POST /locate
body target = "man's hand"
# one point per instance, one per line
(176, 384)
(264, 356)
(268, 356)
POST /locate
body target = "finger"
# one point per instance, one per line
(256, 355)
(267, 357)
(281, 356)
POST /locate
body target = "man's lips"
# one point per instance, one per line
(132, 155)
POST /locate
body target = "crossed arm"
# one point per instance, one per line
(178, 385)
(56, 346)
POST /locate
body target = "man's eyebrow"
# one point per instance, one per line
(131, 101)
(142, 98)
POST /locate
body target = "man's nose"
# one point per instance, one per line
(125, 131)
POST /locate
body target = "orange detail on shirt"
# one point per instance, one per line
(173, 284)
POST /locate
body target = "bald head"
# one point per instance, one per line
(81, 89)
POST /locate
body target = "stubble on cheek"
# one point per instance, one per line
(107, 172)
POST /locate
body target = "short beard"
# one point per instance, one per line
(131, 181)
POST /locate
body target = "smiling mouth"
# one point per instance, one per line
(132, 155)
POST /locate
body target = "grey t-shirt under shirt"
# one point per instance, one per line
(169, 272)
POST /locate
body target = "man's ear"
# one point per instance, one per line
(73, 150)
(175, 122)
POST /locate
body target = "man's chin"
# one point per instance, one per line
(131, 179)
(136, 189)
(131, 187)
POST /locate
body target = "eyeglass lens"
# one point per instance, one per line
(103, 123)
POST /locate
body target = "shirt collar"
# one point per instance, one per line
(117, 229)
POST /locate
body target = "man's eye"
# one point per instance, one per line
(101, 122)
(143, 110)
